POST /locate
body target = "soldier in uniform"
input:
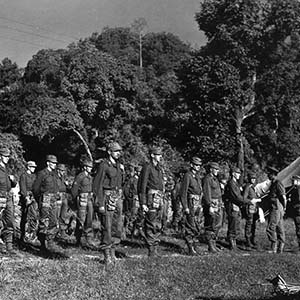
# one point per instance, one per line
(295, 204)
(6, 202)
(83, 194)
(45, 191)
(107, 187)
(212, 206)
(150, 189)
(277, 205)
(190, 195)
(62, 203)
(251, 212)
(234, 201)
(29, 207)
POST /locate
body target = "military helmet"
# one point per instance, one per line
(214, 165)
(4, 151)
(114, 146)
(51, 158)
(196, 161)
(155, 150)
(87, 163)
(61, 167)
(31, 163)
(236, 170)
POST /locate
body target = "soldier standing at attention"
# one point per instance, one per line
(190, 195)
(83, 194)
(107, 187)
(150, 190)
(295, 204)
(234, 201)
(62, 203)
(29, 207)
(277, 206)
(251, 211)
(6, 202)
(212, 206)
(45, 191)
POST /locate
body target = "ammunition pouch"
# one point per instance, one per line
(195, 201)
(111, 198)
(155, 198)
(215, 205)
(235, 207)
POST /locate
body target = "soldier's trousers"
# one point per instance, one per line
(152, 227)
(48, 225)
(85, 218)
(62, 208)
(29, 219)
(297, 227)
(7, 219)
(275, 228)
(112, 224)
(250, 225)
(234, 224)
(212, 223)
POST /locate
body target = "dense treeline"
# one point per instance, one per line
(236, 99)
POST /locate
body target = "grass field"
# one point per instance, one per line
(224, 275)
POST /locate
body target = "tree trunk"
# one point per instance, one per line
(86, 146)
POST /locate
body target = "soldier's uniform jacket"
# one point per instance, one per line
(82, 184)
(5, 183)
(151, 178)
(46, 182)
(211, 190)
(249, 194)
(276, 193)
(233, 196)
(26, 183)
(109, 177)
(190, 187)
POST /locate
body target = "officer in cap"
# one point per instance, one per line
(277, 205)
(45, 191)
(150, 190)
(212, 206)
(251, 211)
(6, 202)
(107, 187)
(83, 195)
(190, 195)
(29, 207)
(295, 204)
(234, 201)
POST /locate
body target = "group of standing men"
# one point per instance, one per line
(46, 197)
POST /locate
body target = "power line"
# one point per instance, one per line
(38, 27)
(21, 41)
(34, 34)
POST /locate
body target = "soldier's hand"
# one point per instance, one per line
(101, 209)
(145, 208)
(187, 211)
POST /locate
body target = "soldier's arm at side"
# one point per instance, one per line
(143, 184)
(22, 184)
(36, 185)
(98, 185)
(184, 191)
(206, 191)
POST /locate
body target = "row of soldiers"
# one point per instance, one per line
(44, 202)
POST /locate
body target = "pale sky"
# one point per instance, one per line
(56, 23)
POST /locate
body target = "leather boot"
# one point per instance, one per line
(280, 248)
(273, 248)
(232, 245)
(113, 255)
(9, 247)
(212, 246)
(153, 251)
(107, 258)
(248, 244)
(42, 240)
(192, 251)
